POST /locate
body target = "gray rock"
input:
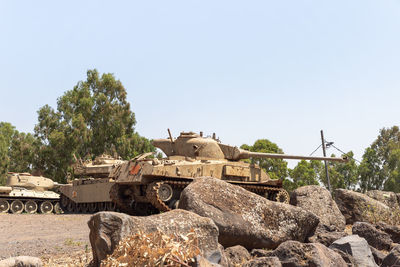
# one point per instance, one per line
(376, 238)
(392, 230)
(319, 201)
(263, 262)
(108, 228)
(393, 258)
(244, 218)
(325, 237)
(346, 257)
(294, 253)
(378, 255)
(386, 197)
(356, 247)
(357, 207)
(21, 261)
(237, 255)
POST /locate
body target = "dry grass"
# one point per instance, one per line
(374, 215)
(154, 249)
(77, 259)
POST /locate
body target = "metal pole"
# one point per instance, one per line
(326, 166)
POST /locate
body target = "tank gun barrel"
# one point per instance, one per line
(244, 154)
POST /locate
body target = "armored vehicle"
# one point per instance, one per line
(25, 192)
(145, 183)
(89, 192)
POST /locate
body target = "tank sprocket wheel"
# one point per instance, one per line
(31, 206)
(153, 195)
(121, 204)
(4, 206)
(282, 196)
(17, 206)
(46, 207)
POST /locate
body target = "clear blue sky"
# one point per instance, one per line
(281, 70)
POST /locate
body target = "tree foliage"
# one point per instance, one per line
(92, 118)
(16, 151)
(276, 168)
(305, 173)
(380, 165)
(341, 175)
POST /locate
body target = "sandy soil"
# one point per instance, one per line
(45, 236)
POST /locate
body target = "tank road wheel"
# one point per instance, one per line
(111, 206)
(64, 201)
(31, 206)
(4, 206)
(101, 206)
(92, 207)
(46, 207)
(17, 206)
(57, 208)
(71, 206)
(283, 196)
(84, 207)
(165, 192)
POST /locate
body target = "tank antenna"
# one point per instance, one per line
(170, 136)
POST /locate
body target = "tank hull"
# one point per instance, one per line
(155, 185)
(87, 195)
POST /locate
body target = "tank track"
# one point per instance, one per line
(277, 194)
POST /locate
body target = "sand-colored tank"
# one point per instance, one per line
(27, 193)
(89, 191)
(145, 184)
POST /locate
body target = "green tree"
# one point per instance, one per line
(341, 175)
(16, 151)
(305, 173)
(6, 133)
(379, 167)
(276, 168)
(92, 118)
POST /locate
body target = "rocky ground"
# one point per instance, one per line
(219, 224)
(54, 238)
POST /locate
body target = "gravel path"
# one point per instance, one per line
(43, 235)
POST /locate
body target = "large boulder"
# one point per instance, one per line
(376, 238)
(393, 258)
(319, 201)
(357, 248)
(244, 218)
(388, 198)
(107, 229)
(357, 207)
(294, 253)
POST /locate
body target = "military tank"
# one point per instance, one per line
(25, 192)
(145, 184)
(89, 191)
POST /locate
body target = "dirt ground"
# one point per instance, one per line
(57, 239)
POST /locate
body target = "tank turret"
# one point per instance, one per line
(193, 145)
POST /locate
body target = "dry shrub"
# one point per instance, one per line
(77, 259)
(154, 249)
